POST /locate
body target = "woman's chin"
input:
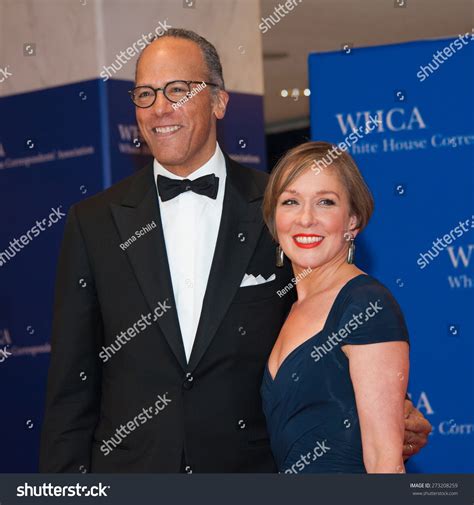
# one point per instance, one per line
(304, 261)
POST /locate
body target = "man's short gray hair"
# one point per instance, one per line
(209, 52)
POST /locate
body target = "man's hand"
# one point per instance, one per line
(417, 429)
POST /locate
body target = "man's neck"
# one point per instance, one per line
(189, 168)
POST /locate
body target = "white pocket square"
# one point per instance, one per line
(251, 280)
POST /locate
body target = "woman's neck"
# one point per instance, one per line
(312, 281)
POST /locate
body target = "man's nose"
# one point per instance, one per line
(162, 105)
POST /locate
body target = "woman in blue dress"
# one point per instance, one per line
(334, 387)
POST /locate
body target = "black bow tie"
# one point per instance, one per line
(169, 188)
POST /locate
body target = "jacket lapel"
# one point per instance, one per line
(240, 227)
(147, 254)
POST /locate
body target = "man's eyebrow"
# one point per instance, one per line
(164, 82)
(149, 84)
(316, 193)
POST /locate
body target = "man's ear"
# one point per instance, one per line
(220, 103)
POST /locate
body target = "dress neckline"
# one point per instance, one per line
(300, 346)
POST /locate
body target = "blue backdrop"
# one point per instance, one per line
(418, 162)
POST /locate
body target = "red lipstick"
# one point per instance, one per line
(308, 243)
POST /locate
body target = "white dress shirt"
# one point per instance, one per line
(190, 226)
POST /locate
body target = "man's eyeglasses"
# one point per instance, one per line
(174, 91)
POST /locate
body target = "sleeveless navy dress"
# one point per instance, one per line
(310, 404)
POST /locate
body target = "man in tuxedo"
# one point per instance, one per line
(166, 304)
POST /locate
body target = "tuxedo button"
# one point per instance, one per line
(188, 469)
(241, 424)
(188, 382)
(241, 236)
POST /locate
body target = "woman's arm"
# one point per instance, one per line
(379, 374)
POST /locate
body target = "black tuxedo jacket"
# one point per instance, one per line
(140, 407)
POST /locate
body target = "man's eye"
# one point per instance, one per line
(327, 202)
(178, 89)
(144, 94)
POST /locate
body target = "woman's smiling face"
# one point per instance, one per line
(313, 219)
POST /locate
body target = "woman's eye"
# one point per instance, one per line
(327, 202)
(289, 202)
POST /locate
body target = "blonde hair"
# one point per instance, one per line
(313, 155)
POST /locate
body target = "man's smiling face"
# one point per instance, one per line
(182, 140)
